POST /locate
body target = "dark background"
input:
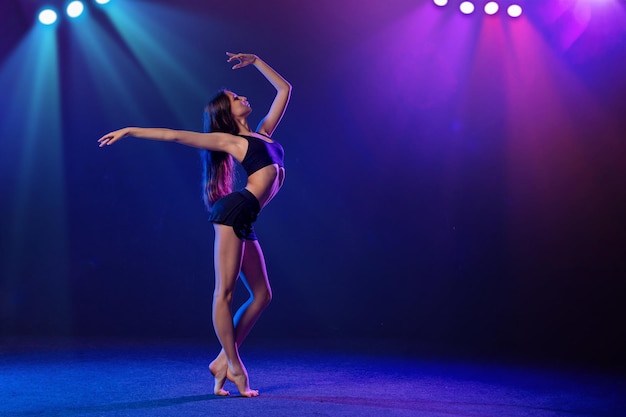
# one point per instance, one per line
(453, 183)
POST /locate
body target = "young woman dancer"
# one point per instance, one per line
(237, 252)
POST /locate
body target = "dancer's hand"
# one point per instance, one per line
(244, 59)
(114, 136)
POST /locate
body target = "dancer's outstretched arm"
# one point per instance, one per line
(214, 141)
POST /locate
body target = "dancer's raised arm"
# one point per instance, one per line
(283, 90)
(214, 141)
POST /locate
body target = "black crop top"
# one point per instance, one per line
(261, 154)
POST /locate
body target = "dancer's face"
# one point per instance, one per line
(239, 106)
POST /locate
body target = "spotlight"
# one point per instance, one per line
(47, 16)
(514, 10)
(467, 7)
(491, 8)
(102, 1)
(75, 9)
(441, 2)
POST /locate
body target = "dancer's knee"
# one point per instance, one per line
(222, 296)
(263, 298)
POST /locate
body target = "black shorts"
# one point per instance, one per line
(238, 210)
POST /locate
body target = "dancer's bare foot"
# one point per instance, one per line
(219, 368)
(241, 381)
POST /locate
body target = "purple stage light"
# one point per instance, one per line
(491, 8)
(467, 7)
(514, 10)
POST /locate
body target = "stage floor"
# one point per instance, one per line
(173, 379)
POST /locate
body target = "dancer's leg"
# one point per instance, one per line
(228, 258)
(254, 277)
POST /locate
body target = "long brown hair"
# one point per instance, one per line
(218, 168)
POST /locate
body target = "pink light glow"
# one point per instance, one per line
(584, 26)
(548, 109)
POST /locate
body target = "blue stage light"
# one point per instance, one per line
(47, 16)
(75, 9)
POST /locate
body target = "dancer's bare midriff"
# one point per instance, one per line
(266, 182)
